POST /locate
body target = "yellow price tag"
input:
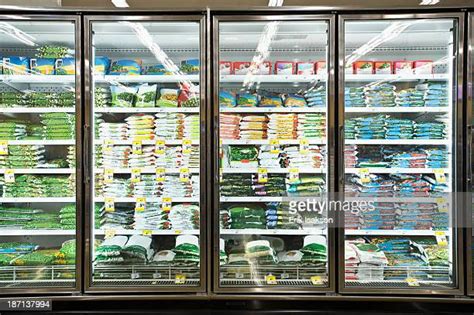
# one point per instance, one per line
(3, 147)
(262, 174)
(270, 279)
(180, 279)
(316, 280)
(178, 231)
(110, 233)
(187, 146)
(184, 174)
(9, 176)
(160, 174)
(108, 145)
(412, 282)
(136, 175)
(147, 232)
(294, 175)
(442, 204)
(440, 176)
(441, 238)
(109, 204)
(364, 175)
(160, 147)
(304, 146)
(108, 176)
(166, 203)
(274, 146)
(137, 147)
(140, 203)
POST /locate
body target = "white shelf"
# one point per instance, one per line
(397, 109)
(149, 200)
(145, 78)
(272, 78)
(38, 78)
(41, 170)
(153, 232)
(395, 170)
(272, 170)
(271, 232)
(41, 142)
(267, 141)
(398, 141)
(21, 232)
(145, 142)
(27, 110)
(147, 110)
(145, 170)
(273, 110)
(394, 77)
(392, 232)
(38, 199)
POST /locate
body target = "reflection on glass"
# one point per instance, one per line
(146, 154)
(37, 155)
(399, 153)
(272, 128)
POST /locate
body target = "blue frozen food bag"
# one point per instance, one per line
(190, 66)
(16, 65)
(156, 70)
(101, 65)
(126, 67)
(227, 99)
(65, 66)
(43, 66)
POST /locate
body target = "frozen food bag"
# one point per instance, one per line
(123, 96)
(190, 66)
(101, 65)
(168, 98)
(65, 66)
(126, 67)
(42, 66)
(146, 95)
(16, 65)
(227, 99)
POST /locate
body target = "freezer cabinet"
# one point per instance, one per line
(271, 95)
(146, 191)
(40, 117)
(400, 108)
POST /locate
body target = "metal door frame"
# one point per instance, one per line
(330, 19)
(78, 145)
(88, 168)
(458, 264)
(469, 84)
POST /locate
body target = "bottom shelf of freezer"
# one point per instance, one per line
(147, 260)
(26, 263)
(268, 261)
(423, 262)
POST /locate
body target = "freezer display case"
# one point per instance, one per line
(39, 93)
(399, 103)
(271, 104)
(146, 122)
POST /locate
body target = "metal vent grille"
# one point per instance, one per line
(166, 283)
(259, 283)
(397, 284)
(37, 284)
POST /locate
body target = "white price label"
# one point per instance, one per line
(9, 176)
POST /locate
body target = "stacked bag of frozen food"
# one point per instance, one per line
(380, 95)
(140, 127)
(311, 126)
(184, 216)
(281, 126)
(25, 156)
(354, 97)
(253, 127)
(410, 98)
(430, 130)
(116, 156)
(229, 126)
(152, 217)
(12, 130)
(306, 185)
(399, 128)
(58, 126)
(316, 97)
(435, 93)
(112, 131)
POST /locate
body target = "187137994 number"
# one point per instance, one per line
(25, 304)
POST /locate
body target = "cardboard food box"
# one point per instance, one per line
(320, 67)
(363, 67)
(403, 67)
(423, 66)
(383, 67)
(240, 67)
(305, 68)
(284, 67)
(225, 67)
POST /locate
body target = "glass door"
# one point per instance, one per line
(470, 158)
(400, 106)
(39, 112)
(271, 102)
(146, 210)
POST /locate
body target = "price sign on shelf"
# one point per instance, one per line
(140, 203)
(160, 147)
(166, 203)
(147, 232)
(316, 280)
(108, 145)
(108, 176)
(364, 175)
(274, 146)
(412, 282)
(9, 176)
(137, 146)
(184, 174)
(270, 279)
(160, 175)
(441, 238)
(109, 204)
(180, 279)
(187, 146)
(262, 175)
(304, 146)
(442, 204)
(294, 175)
(440, 176)
(110, 233)
(3, 147)
(136, 175)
